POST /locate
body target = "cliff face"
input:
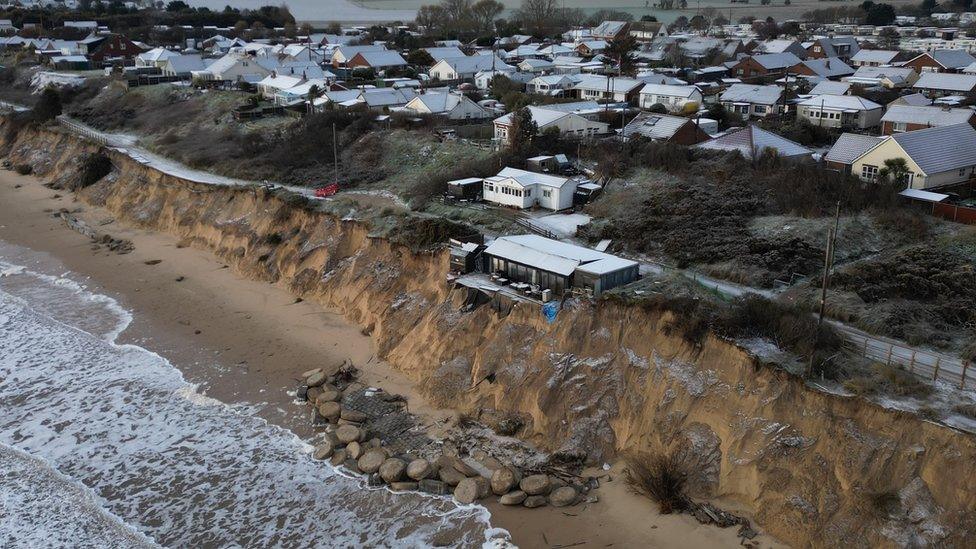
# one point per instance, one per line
(813, 468)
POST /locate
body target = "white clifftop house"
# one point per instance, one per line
(840, 111)
(465, 68)
(568, 122)
(749, 100)
(557, 266)
(523, 190)
(451, 105)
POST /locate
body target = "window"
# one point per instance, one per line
(546, 193)
(900, 126)
(869, 172)
(760, 109)
(528, 192)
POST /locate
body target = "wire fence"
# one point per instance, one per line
(925, 364)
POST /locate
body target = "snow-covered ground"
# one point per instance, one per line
(563, 224)
(340, 11)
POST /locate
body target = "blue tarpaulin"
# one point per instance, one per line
(549, 310)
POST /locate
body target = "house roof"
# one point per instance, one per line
(778, 46)
(527, 178)
(608, 28)
(554, 256)
(874, 56)
(654, 126)
(157, 54)
(750, 93)
(928, 149)
(752, 140)
(438, 102)
(840, 102)
(831, 87)
(669, 90)
(186, 63)
(896, 75)
(915, 99)
(929, 116)
(952, 59)
(536, 64)
(444, 52)
(654, 78)
(386, 97)
(773, 61)
(382, 58)
(599, 83)
(849, 146)
(830, 67)
(348, 52)
(474, 63)
(946, 81)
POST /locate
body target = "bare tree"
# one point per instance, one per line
(537, 16)
(485, 12)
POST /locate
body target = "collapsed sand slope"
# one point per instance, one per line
(814, 469)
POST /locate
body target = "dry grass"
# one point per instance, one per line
(891, 380)
(661, 478)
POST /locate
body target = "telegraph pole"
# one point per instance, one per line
(828, 265)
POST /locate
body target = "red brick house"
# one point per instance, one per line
(941, 61)
(766, 65)
(106, 47)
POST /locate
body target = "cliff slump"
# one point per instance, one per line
(813, 468)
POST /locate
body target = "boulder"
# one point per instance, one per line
(534, 501)
(563, 496)
(354, 449)
(339, 457)
(330, 411)
(404, 486)
(450, 476)
(316, 379)
(419, 469)
(513, 498)
(504, 480)
(354, 416)
(535, 485)
(309, 373)
(374, 480)
(471, 490)
(434, 487)
(312, 393)
(302, 392)
(349, 433)
(351, 464)
(393, 470)
(460, 466)
(328, 394)
(325, 449)
(372, 460)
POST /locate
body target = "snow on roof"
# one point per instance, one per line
(828, 67)
(849, 146)
(946, 81)
(875, 56)
(554, 256)
(654, 126)
(466, 181)
(916, 99)
(444, 52)
(527, 178)
(929, 116)
(668, 90)
(475, 63)
(600, 83)
(157, 54)
(840, 102)
(928, 149)
(608, 28)
(752, 140)
(186, 63)
(776, 60)
(895, 74)
(382, 58)
(830, 87)
(927, 196)
(751, 93)
(952, 59)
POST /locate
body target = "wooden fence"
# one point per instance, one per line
(82, 130)
(925, 364)
(955, 212)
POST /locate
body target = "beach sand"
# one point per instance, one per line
(247, 342)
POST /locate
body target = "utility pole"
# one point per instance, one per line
(335, 153)
(828, 265)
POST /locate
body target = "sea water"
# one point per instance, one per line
(106, 445)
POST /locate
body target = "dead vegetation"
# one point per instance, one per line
(659, 477)
(882, 379)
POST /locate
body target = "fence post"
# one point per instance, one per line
(911, 365)
(890, 349)
(965, 366)
(938, 360)
(865, 346)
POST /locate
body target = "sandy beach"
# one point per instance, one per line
(247, 342)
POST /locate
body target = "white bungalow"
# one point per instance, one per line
(674, 98)
(450, 105)
(523, 190)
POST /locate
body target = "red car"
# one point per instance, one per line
(326, 191)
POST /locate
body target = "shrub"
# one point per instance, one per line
(661, 478)
(48, 105)
(790, 326)
(885, 379)
(24, 169)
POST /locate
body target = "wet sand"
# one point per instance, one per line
(246, 342)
